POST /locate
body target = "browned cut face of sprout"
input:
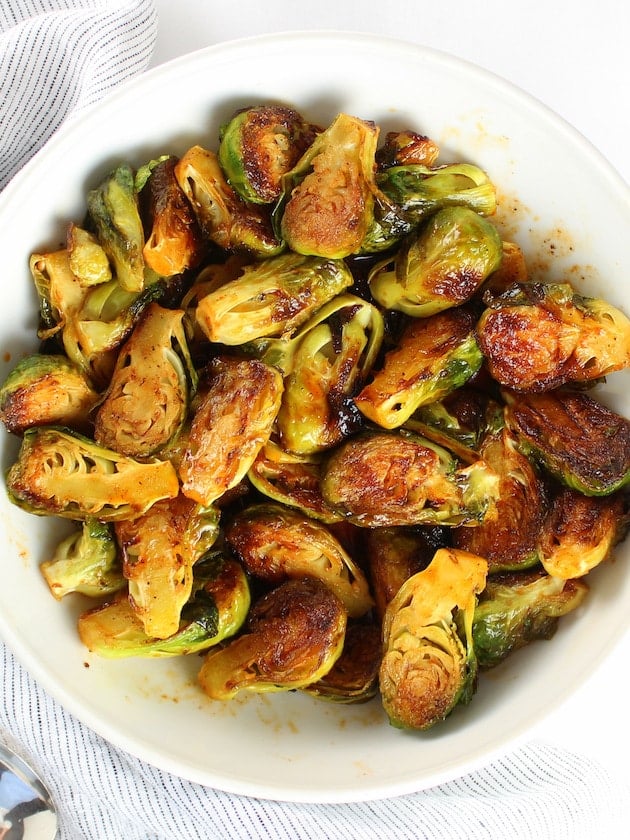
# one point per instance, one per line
(312, 418)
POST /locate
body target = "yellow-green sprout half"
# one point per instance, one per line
(146, 403)
(66, 474)
(216, 610)
(429, 663)
(159, 551)
(293, 637)
(275, 543)
(329, 195)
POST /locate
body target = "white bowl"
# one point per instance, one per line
(558, 198)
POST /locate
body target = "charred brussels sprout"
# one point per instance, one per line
(63, 473)
(379, 479)
(215, 611)
(328, 196)
(232, 421)
(87, 562)
(581, 442)
(174, 242)
(329, 365)
(275, 543)
(294, 636)
(113, 211)
(538, 337)
(516, 609)
(402, 148)
(43, 391)
(223, 216)
(420, 190)
(159, 551)
(354, 676)
(146, 403)
(271, 298)
(259, 145)
(429, 663)
(442, 266)
(581, 531)
(434, 357)
(509, 540)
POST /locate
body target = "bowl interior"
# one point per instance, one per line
(558, 199)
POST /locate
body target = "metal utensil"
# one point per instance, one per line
(27, 811)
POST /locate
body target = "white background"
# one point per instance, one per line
(572, 56)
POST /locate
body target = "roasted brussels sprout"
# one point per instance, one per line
(271, 298)
(581, 531)
(538, 337)
(293, 480)
(579, 440)
(329, 365)
(429, 663)
(518, 608)
(433, 357)
(45, 391)
(380, 479)
(223, 216)
(159, 550)
(509, 540)
(402, 148)
(215, 611)
(86, 257)
(441, 266)
(328, 203)
(259, 145)
(354, 676)
(275, 543)
(174, 242)
(233, 420)
(146, 403)
(59, 292)
(114, 214)
(86, 561)
(63, 473)
(294, 636)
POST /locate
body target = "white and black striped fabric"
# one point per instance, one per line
(58, 56)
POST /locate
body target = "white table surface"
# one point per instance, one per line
(572, 56)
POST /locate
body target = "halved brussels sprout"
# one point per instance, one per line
(459, 422)
(259, 145)
(429, 663)
(86, 561)
(420, 190)
(580, 441)
(224, 217)
(46, 390)
(159, 550)
(66, 474)
(174, 242)
(271, 298)
(433, 357)
(394, 555)
(329, 365)
(518, 608)
(147, 400)
(581, 531)
(402, 148)
(509, 540)
(232, 421)
(114, 214)
(87, 258)
(59, 292)
(379, 479)
(216, 610)
(294, 636)
(275, 543)
(328, 196)
(538, 337)
(293, 480)
(441, 266)
(512, 270)
(354, 676)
